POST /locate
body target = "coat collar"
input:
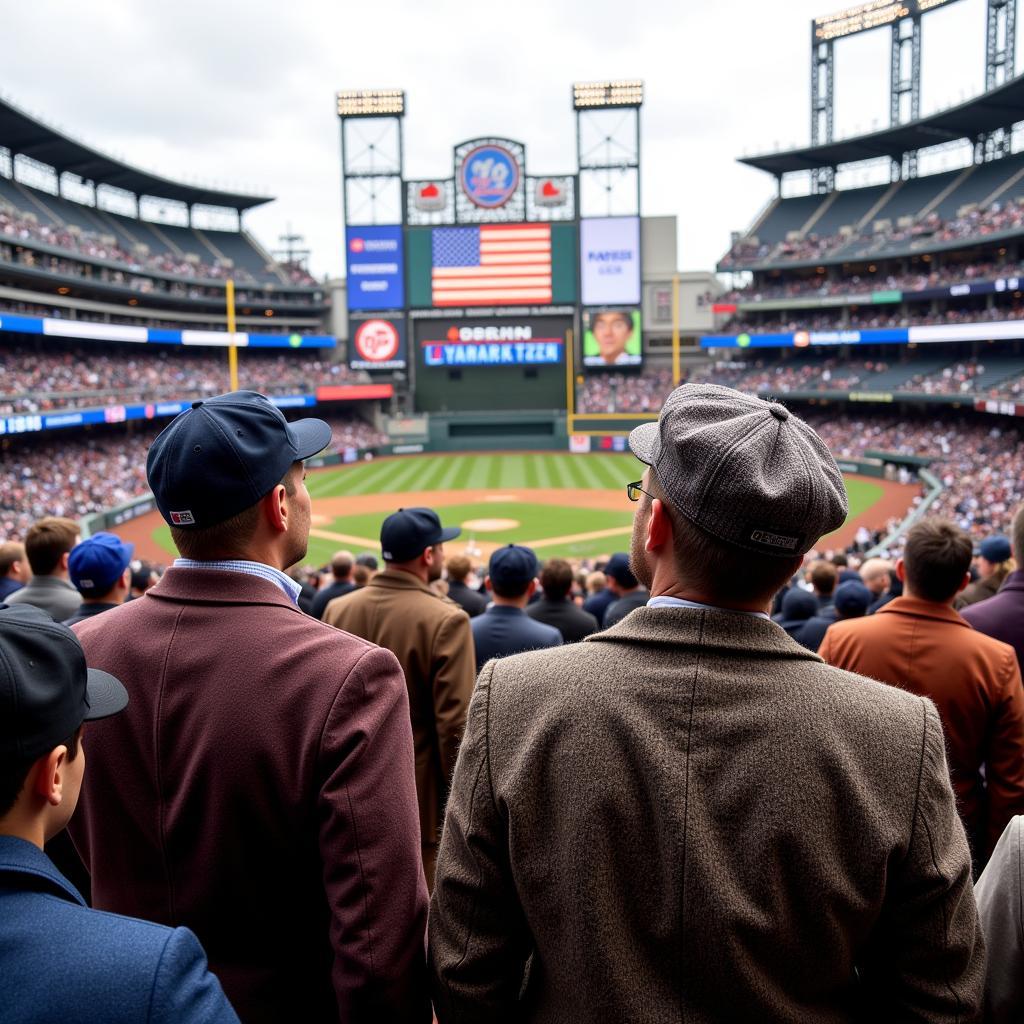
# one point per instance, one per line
(24, 864)
(216, 586)
(49, 583)
(398, 579)
(710, 629)
(1015, 581)
(920, 609)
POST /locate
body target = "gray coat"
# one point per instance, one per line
(55, 596)
(690, 817)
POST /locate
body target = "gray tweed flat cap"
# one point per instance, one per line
(747, 471)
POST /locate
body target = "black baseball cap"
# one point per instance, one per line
(224, 454)
(512, 566)
(407, 533)
(46, 690)
(618, 569)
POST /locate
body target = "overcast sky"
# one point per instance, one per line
(242, 94)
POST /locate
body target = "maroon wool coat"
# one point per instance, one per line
(259, 790)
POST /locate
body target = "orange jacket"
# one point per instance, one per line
(975, 681)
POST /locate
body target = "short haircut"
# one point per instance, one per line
(14, 774)
(341, 564)
(596, 582)
(458, 567)
(10, 552)
(1017, 537)
(823, 577)
(361, 575)
(510, 589)
(230, 538)
(936, 558)
(840, 560)
(47, 540)
(722, 572)
(556, 579)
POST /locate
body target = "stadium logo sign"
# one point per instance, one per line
(359, 244)
(550, 192)
(182, 518)
(430, 196)
(377, 341)
(489, 175)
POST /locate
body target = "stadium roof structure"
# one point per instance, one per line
(997, 108)
(23, 134)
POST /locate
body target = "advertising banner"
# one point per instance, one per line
(612, 337)
(375, 267)
(610, 261)
(377, 344)
(526, 342)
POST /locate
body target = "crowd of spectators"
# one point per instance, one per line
(619, 392)
(78, 377)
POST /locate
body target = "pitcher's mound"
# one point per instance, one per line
(490, 525)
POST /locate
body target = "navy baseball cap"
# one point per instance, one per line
(853, 597)
(95, 564)
(407, 533)
(618, 569)
(46, 690)
(224, 454)
(995, 549)
(512, 565)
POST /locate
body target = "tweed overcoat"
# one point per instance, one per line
(431, 638)
(689, 817)
(258, 789)
(975, 682)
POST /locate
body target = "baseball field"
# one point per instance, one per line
(560, 504)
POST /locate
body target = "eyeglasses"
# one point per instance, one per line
(634, 490)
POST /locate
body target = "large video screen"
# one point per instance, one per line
(529, 341)
(374, 267)
(376, 344)
(612, 337)
(610, 261)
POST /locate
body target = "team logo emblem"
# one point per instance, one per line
(182, 518)
(489, 175)
(357, 244)
(377, 341)
(430, 196)
(550, 192)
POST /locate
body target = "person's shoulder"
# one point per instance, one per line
(545, 631)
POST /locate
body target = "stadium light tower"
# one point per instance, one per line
(371, 155)
(608, 146)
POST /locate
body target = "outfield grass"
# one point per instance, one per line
(498, 474)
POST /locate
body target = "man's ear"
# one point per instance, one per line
(964, 583)
(488, 585)
(47, 778)
(275, 509)
(532, 588)
(64, 561)
(901, 570)
(659, 526)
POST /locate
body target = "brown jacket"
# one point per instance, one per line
(975, 681)
(690, 817)
(256, 790)
(431, 638)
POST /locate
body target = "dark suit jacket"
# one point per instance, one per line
(691, 817)
(812, 632)
(572, 622)
(597, 604)
(325, 595)
(468, 600)
(61, 961)
(503, 630)
(1002, 616)
(259, 790)
(620, 608)
(975, 681)
(87, 610)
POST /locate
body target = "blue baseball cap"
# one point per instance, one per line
(512, 565)
(995, 549)
(95, 564)
(853, 597)
(407, 533)
(224, 454)
(618, 569)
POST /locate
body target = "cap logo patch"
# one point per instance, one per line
(775, 540)
(88, 584)
(182, 518)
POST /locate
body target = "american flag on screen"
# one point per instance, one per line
(491, 265)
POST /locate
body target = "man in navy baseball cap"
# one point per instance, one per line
(99, 569)
(407, 533)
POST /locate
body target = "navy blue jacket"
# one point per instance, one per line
(9, 586)
(504, 630)
(61, 961)
(597, 604)
(1002, 616)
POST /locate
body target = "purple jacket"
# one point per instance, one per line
(259, 790)
(1002, 616)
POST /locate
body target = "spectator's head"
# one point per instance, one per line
(13, 562)
(596, 582)
(839, 560)
(737, 490)
(99, 568)
(852, 600)
(556, 579)
(361, 575)
(341, 566)
(875, 574)
(994, 554)
(46, 693)
(48, 544)
(823, 577)
(413, 539)
(935, 561)
(798, 605)
(458, 568)
(228, 476)
(512, 575)
(143, 577)
(369, 560)
(619, 575)
(1017, 535)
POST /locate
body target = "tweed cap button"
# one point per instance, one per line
(780, 412)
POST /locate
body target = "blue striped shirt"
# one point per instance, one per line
(261, 569)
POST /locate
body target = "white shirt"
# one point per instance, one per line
(664, 601)
(260, 569)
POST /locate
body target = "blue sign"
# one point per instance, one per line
(489, 175)
(375, 265)
(507, 353)
(803, 339)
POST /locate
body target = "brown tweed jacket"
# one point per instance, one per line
(689, 817)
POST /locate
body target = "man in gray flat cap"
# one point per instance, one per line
(689, 816)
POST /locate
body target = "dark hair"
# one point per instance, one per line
(13, 775)
(47, 540)
(510, 589)
(824, 576)
(840, 560)
(341, 564)
(230, 538)
(722, 572)
(458, 567)
(556, 578)
(936, 558)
